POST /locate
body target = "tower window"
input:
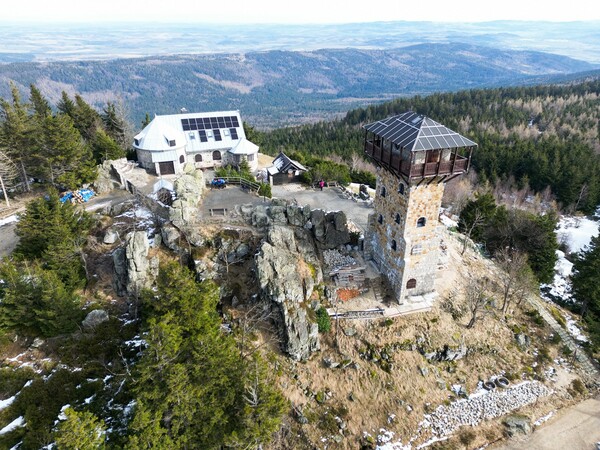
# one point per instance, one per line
(198, 158)
(380, 219)
(411, 284)
(417, 249)
(421, 222)
(394, 246)
(181, 159)
(398, 218)
(383, 192)
(401, 188)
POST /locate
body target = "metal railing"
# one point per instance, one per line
(245, 184)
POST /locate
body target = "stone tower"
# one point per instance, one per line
(415, 156)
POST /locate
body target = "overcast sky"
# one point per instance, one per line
(295, 11)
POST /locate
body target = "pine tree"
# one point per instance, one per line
(65, 105)
(81, 431)
(586, 289)
(15, 133)
(38, 105)
(69, 161)
(116, 125)
(189, 385)
(104, 147)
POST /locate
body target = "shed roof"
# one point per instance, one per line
(416, 132)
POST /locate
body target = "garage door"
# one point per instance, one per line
(166, 168)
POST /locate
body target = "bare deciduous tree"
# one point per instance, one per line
(8, 174)
(516, 279)
(477, 299)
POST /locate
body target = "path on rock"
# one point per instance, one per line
(577, 427)
(586, 363)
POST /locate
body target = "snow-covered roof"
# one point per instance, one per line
(205, 131)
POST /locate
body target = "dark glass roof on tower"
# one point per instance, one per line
(416, 132)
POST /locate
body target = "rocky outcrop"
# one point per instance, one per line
(517, 424)
(94, 318)
(105, 182)
(288, 270)
(329, 229)
(133, 269)
(189, 188)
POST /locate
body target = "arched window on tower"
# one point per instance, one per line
(380, 219)
(393, 244)
(383, 192)
(421, 222)
(398, 218)
(198, 158)
(181, 159)
(411, 284)
(401, 188)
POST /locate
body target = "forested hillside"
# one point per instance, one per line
(274, 88)
(541, 136)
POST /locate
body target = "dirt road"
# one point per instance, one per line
(575, 428)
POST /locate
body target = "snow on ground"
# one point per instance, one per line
(9, 219)
(18, 422)
(561, 286)
(574, 330)
(541, 420)
(576, 232)
(6, 403)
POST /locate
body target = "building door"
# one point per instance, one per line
(166, 168)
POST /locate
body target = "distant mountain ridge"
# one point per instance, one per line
(273, 88)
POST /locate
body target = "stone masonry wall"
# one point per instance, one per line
(395, 219)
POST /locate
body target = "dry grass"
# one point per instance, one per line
(405, 392)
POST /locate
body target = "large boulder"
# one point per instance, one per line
(189, 188)
(94, 318)
(111, 236)
(517, 424)
(288, 270)
(140, 271)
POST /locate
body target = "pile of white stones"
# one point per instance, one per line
(334, 259)
(446, 419)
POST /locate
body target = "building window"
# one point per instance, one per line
(136, 142)
(198, 158)
(383, 191)
(216, 155)
(380, 219)
(398, 218)
(421, 222)
(251, 157)
(411, 284)
(417, 249)
(394, 246)
(192, 136)
(181, 159)
(170, 142)
(401, 188)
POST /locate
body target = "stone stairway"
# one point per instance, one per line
(586, 363)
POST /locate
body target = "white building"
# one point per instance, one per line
(208, 140)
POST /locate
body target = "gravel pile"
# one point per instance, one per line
(446, 419)
(335, 260)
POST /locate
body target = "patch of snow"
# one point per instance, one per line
(62, 415)
(576, 232)
(18, 422)
(448, 222)
(541, 420)
(9, 219)
(6, 403)
(561, 285)
(16, 447)
(574, 330)
(88, 400)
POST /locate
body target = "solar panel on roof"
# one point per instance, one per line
(203, 137)
(221, 122)
(235, 121)
(228, 123)
(233, 133)
(217, 134)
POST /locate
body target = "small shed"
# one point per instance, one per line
(285, 170)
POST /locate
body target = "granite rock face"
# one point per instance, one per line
(133, 269)
(288, 270)
(189, 188)
(94, 318)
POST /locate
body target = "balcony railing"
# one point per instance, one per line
(392, 161)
